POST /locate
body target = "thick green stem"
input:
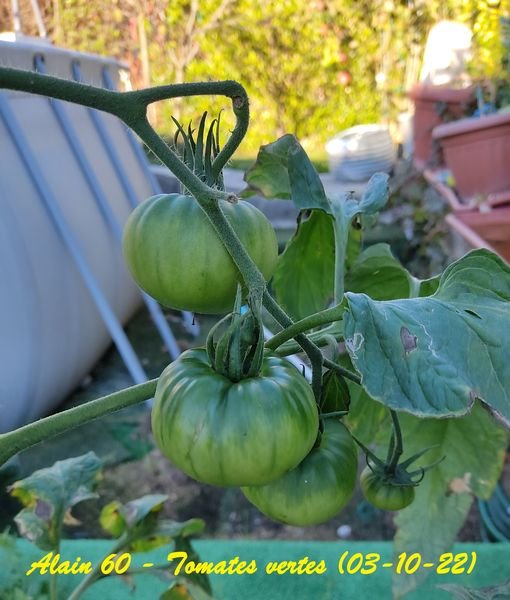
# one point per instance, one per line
(339, 277)
(312, 351)
(321, 318)
(15, 441)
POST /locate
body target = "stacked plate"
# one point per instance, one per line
(357, 153)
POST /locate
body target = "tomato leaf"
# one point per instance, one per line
(269, 175)
(303, 280)
(49, 495)
(367, 418)
(428, 526)
(345, 209)
(283, 170)
(335, 393)
(493, 592)
(434, 356)
(377, 273)
(306, 186)
(474, 449)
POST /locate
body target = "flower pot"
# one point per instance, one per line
(477, 152)
(433, 105)
(489, 229)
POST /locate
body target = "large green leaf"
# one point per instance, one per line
(306, 186)
(434, 356)
(428, 526)
(269, 175)
(303, 281)
(377, 273)
(474, 448)
(49, 495)
(312, 269)
(283, 170)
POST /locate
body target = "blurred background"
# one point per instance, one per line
(311, 67)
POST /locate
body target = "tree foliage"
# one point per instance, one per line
(311, 68)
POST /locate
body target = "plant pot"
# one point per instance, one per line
(434, 105)
(489, 230)
(477, 152)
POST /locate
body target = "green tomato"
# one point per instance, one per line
(232, 434)
(176, 256)
(318, 488)
(383, 494)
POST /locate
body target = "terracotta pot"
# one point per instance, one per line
(477, 152)
(428, 101)
(484, 229)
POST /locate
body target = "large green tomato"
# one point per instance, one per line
(382, 493)
(232, 434)
(318, 488)
(176, 256)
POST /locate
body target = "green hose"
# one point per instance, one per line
(495, 514)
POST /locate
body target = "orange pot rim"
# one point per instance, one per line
(470, 124)
(441, 93)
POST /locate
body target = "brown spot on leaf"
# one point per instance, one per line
(409, 341)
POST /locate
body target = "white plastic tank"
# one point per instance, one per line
(51, 333)
(357, 153)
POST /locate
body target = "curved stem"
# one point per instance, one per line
(397, 446)
(131, 107)
(320, 338)
(13, 442)
(321, 318)
(312, 351)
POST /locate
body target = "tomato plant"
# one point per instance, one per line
(228, 433)
(318, 488)
(175, 255)
(431, 354)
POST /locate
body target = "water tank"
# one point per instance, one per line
(51, 331)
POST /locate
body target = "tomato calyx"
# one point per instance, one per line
(199, 152)
(239, 352)
(393, 472)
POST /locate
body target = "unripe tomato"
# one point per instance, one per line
(176, 256)
(230, 434)
(318, 488)
(383, 494)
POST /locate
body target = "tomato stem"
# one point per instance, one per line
(323, 317)
(397, 442)
(20, 439)
(312, 351)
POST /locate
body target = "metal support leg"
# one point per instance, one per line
(110, 319)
